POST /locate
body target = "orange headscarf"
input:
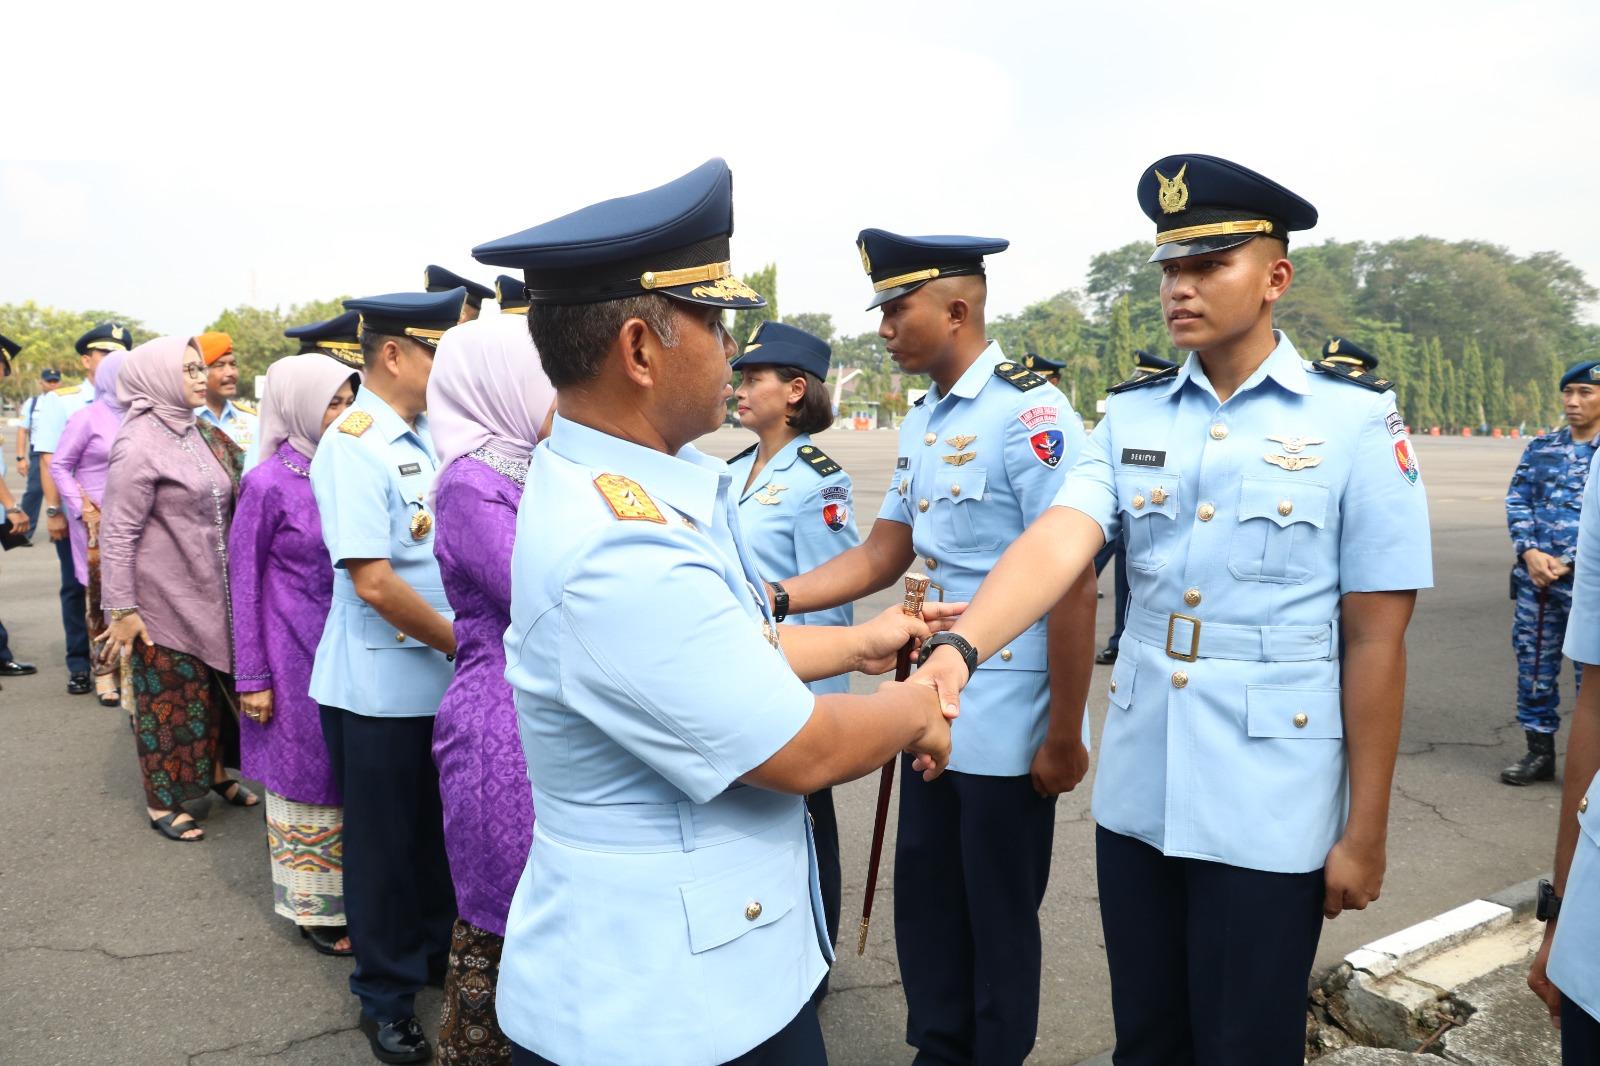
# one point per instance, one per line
(214, 346)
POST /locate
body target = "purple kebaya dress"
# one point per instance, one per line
(483, 777)
(282, 588)
(79, 466)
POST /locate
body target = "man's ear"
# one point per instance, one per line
(1280, 273)
(638, 348)
(959, 312)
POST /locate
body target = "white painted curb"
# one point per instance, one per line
(1397, 950)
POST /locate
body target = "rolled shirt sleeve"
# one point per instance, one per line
(1384, 541)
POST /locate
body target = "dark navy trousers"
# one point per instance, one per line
(1209, 962)
(398, 898)
(1116, 552)
(825, 834)
(797, 1044)
(74, 623)
(5, 645)
(970, 868)
(32, 494)
(1580, 1036)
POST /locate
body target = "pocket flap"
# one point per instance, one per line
(1030, 651)
(376, 633)
(728, 905)
(1149, 492)
(1119, 690)
(1283, 501)
(1291, 712)
(959, 484)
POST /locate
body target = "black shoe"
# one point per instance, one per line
(12, 668)
(401, 1041)
(1538, 765)
(1105, 656)
(79, 684)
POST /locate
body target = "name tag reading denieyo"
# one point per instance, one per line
(408, 469)
(1140, 457)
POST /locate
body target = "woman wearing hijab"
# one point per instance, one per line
(78, 466)
(282, 583)
(488, 403)
(164, 574)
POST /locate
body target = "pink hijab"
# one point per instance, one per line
(105, 382)
(487, 390)
(152, 383)
(299, 389)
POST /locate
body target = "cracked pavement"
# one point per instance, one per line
(117, 946)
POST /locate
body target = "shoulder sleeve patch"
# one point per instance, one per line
(627, 500)
(1141, 378)
(818, 461)
(355, 423)
(1355, 375)
(1019, 376)
(748, 451)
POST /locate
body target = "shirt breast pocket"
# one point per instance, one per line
(1280, 523)
(958, 519)
(1150, 502)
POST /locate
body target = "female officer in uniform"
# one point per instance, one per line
(795, 510)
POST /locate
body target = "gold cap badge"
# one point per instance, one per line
(1174, 194)
(866, 260)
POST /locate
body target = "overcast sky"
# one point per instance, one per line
(174, 160)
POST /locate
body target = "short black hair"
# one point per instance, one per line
(813, 412)
(572, 339)
(372, 344)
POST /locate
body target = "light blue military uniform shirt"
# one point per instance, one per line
(975, 467)
(51, 411)
(795, 518)
(1574, 965)
(371, 476)
(1245, 523)
(242, 426)
(667, 912)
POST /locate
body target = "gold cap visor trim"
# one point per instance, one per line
(424, 334)
(342, 346)
(905, 279)
(666, 279)
(1213, 229)
(514, 310)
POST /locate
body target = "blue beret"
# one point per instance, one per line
(1200, 204)
(898, 265)
(1586, 372)
(509, 295)
(1150, 364)
(779, 344)
(8, 348)
(338, 336)
(1339, 350)
(1040, 365)
(671, 240)
(438, 279)
(107, 336)
(422, 316)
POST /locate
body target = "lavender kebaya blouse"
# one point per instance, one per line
(79, 466)
(483, 777)
(282, 584)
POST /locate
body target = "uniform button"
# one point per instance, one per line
(930, 438)
(1138, 503)
(1300, 720)
(1005, 656)
(1192, 597)
(1583, 804)
(1113, 684)
(922, 505)
(1207, 512)
(752, 911)
(1219, 431)
(933, 564)
(1159, 496)
(955, 490)
(399, 638)
(1286, 507)
(1179, 679)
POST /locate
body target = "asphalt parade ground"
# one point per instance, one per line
(117, 946)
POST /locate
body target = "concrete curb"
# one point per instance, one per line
(1398, 950)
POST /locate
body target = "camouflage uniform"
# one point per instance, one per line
(1542, 508)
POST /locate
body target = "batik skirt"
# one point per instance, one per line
(306, 843)
(183, 724)
(469, 1034)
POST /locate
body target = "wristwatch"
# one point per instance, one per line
(969, 654)
(1549, 907)
(780, 601)
(51, 512)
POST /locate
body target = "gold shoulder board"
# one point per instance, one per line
(627, 500)
(356, 423)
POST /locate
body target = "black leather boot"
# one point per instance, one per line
(1538, 765)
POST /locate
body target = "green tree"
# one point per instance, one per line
(48, 336)
(817, 323)
(1118, 359)
(764, 281)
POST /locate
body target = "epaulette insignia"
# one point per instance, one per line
(918, 401)
(1142, 378)
(748, 451)
(1355, 375)
(818, 461)
(70, 390)
(1017, 375)
(246, 408)
(627, 500)
(355, 423)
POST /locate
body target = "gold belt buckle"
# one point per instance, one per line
(1194, 640)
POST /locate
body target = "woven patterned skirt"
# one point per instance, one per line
(469, 1032)
(306, 843)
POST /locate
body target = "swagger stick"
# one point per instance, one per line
(916, 591)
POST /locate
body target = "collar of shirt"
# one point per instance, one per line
(229, 413)
(1284, 366)
(689, 482)
(976, 377)
(388, 421)
(786, 457)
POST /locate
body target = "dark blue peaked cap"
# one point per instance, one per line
(1586, 372)
(1150, 364)
(671, 240)
(438, 279)
(1201, 203)
(778, 344)
(1040, 365)
(422, 316)
(108, 336)
(337, 336)
(8, 348)
(898, 265)
(509, 295)
(1339, 350)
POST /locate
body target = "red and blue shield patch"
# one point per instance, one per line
(1049, 445)
(835, 515)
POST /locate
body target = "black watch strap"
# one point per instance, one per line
(780, 601)
(1549, 904)
(969, 654)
